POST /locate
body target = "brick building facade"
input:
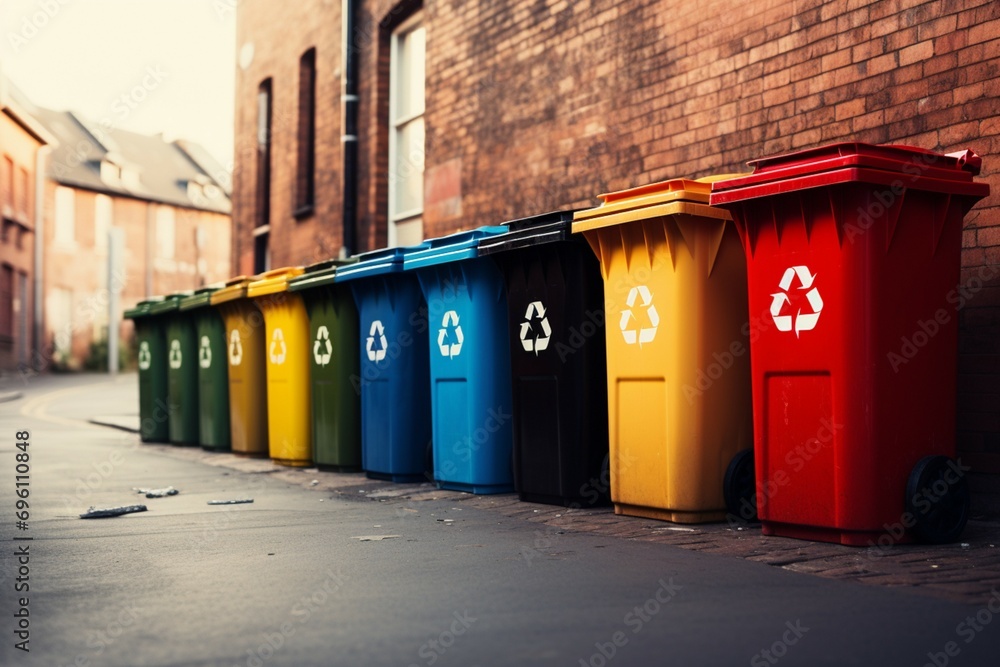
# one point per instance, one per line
(532, 106)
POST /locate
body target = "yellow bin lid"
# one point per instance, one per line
(273, 281)
(679, 195)
(235, 288)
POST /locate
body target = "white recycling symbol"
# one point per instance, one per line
(235, 348)
(145, 356)
(175, 357)
(450, 350)
(205, 353)
(536, 345)
(278, 349)
(643, 334)
(321, 352)
(376, 343)
(800, 321)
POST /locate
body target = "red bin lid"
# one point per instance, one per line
(910, 160)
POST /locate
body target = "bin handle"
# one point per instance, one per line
(968, 160)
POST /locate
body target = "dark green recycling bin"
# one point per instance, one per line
(334, 367)
(182, 369)
(150, 338)
(213, 378)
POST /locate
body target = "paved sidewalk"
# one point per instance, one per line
(966, 572)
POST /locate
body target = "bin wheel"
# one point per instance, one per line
(429, 461)
(605, 475)
(740, 486)
(937, 497)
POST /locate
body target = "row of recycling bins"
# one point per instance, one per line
(633, 352)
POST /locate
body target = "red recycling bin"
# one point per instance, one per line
(853, 259)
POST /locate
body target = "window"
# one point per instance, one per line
(102, 220)
(59, 316)
(305, 178)
(165, 232)
(6, 301)
(65, 216)
(7, 200)
(261, 253)
(23, 201)
(406, 132)
(264, 153)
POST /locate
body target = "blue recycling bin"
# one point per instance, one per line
(394, 370)
(470, 385)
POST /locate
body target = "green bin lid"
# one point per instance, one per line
(170, 304)
(202, 297)
(142, 309)
(319, 274)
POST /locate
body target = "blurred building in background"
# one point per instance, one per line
(169, 201)
(436, 116)
(21, 156)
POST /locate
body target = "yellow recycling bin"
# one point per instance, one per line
(247, 375)
(679, 393)
(286, 340)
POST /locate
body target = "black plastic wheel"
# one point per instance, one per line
(937, 498)
(605, 491)
(740, 486)
(429, 461)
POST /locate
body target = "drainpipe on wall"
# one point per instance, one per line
(349, 130)
(41, 165)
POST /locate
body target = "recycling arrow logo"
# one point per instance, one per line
(235, 348)
(175, 357)
(278, 349)
(376, 343)
(535, 311)
(800, 321)
(450, 349)
(145, 356)
(641, 335)
(322, 348)
(205, 353)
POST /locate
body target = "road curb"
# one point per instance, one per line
(10, 396)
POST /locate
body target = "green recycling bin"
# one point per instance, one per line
(150, 340)
(213, 380)
(334, 367)
(182, 370)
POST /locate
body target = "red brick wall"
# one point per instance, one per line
(543, 104)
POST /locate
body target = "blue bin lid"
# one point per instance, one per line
(378, 262)
(453, 248)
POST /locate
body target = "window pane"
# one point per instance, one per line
(410, 73)
(408, 170)
(102, 220)
(165, 232)
(65, 216)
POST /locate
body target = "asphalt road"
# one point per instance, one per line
(286, 581)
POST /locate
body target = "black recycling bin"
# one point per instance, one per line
(555, 306)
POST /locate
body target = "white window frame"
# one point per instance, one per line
(395, 124)
(65, 216)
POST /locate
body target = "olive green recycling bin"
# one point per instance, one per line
(334, 367)
(150, 338)
(182, 370)
(213, 380)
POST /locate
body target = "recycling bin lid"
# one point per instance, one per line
(202, 297)
(378, 262)
(319, 274)
(273, 281)
(235, 288)
(531, 231)
(170, 304)
(142, 309)
(452, 248)
(845, 162)
(678, 195)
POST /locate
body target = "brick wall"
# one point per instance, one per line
(543, 104)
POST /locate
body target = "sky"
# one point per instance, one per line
(148, 66)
